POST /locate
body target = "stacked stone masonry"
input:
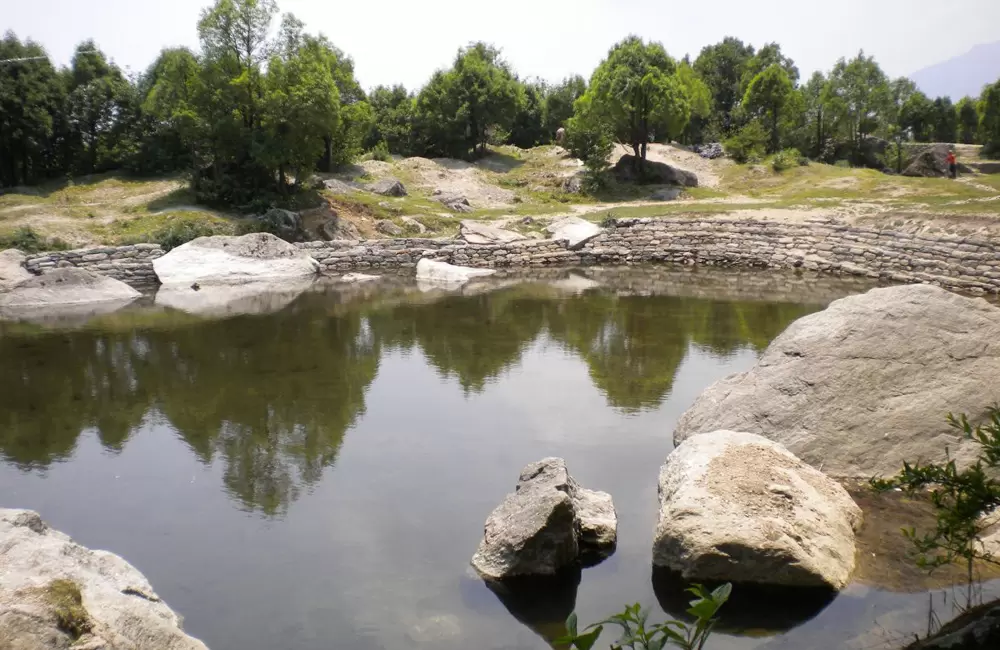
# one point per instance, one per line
(131, 264)
(958, 262)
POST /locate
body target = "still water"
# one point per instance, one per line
(317, 476)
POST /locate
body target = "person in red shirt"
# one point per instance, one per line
(952, 165)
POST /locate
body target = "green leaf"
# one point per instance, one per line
(587, 641)
(571, 623)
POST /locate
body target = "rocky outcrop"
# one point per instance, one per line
(56, 594)
(339, 229)
(861, 387)
(338, 186)
(932, 162)
(453, 201)
(712, 150)
(548, 524)
(12, 268)
(738, 507)
(976, 629)
(234, 260)
(574, 230)
(411, 224)
(284, 223)
(387, 227)
(434, 272)
(627, 169)
(478, 232)
(387, 187)
(67, 286)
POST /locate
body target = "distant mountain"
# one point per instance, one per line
(962, 75)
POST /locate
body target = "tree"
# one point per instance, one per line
(635, 92)
(765, 57)
(700, 97)
(859, 96)
(559, 101)
(392, 109)
(168, 92)
(32, 95)
(917, 116)
(968, 120)
(945, 120)
(527, 129)
(767, 98)
(989, 120)
(816, 119)
(721, 67)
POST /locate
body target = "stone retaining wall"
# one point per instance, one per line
(958, 262)
(132, 264)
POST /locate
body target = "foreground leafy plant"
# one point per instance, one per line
(637, 636)
(962, 500)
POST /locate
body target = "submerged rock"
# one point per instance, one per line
(738, 507)
(234, 260)
(67, 286)
(574, 230)
(220, 300)
(12, 268)
(433, 271)
(861, 387)
(56, 594)
(548, 524)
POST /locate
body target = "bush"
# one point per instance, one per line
(379, 152)
(27, 240)
(786, 159)
(174, 234)
(750, 142)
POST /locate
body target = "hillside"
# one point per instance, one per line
(963, 75)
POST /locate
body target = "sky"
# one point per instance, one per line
(405, 41)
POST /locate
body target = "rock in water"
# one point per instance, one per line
(626, 169)
(574, 230)
(548, 523)
(56, 594)
(477, 232)
(234, 260)
(387, 187)
(738, 507)
(448, 274)
(12, 268)
(866, 384)
(67, 286)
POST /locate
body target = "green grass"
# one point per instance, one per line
(146, 227)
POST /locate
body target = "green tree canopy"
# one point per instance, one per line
(968, 120)
(721, 66)
(768, 98)
(859, 96)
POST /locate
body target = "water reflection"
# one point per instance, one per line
(272, 394)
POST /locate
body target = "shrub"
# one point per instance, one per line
(27, 240)
(379, 152)
(749, 142)
(637, 636)
(786, 159)
(962, 500)
(176, 233)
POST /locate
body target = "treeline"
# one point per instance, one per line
(250, 116)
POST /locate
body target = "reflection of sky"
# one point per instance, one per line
(375, 554)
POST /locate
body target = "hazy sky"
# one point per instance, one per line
(404, 41)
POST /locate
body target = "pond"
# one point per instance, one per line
(317, 475)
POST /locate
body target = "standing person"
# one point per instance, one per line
(952, 164)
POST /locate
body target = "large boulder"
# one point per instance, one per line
(627, 169)
(339, 229)
(574, 230)
(452, 200)
(283, 223)
(56, 595)
(711, 150)
(387, 187)
(12, 268)
(234, 260)
(478, 232)
(738, 507)
(932, 162)
(387, 227)
(66, 286)
(866, 384)
(436, 272)
(547, 524)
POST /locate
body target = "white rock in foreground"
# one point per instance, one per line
(738, 507)
(69, 286)
(234, 260)
(547, 524)
(12, 268)
(123, 610)
(574, 230)
(861, 387)
(436, 272)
